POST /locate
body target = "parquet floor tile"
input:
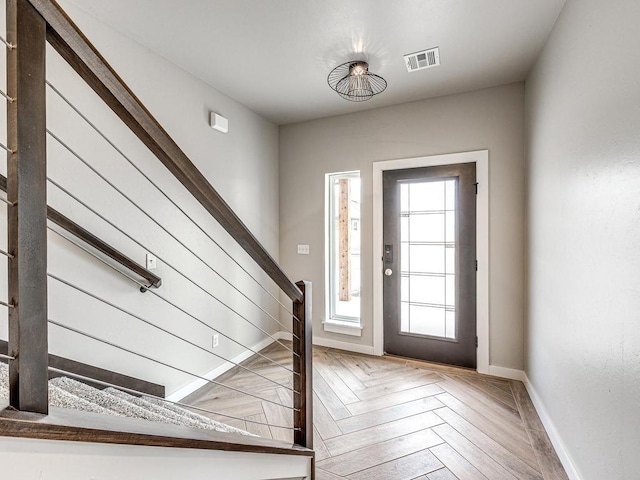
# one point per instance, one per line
(389, 418)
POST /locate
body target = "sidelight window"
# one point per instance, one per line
(343, 247)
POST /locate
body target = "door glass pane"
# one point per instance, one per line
(404, 316)
(426, 228)
(427, 258)
(426, 196)
(450, 225)
(450, 293)
(428, 289)
(404, 288)
(450, 260)
(404, 227)
(425, 320)
(404, 257)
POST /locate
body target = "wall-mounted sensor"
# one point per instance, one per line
(218, 122)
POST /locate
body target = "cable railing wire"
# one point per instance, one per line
(10, 46)
(145, 213)
(168, 365)
(174, 305)
(162, 227)
(148, 395)
(7, 97)
(163, 193)
(147, 322)
(189, 279)
(98, 257)
(5, 148)
(141, 284)
(179, 308)
(135, 392)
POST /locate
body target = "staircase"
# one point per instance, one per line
(48, 414)
(68, 393)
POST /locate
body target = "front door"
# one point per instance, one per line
(430, 263)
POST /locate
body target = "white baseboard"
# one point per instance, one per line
(283, 336)
(350, 347)
(216, 372)
(509, 373)
(554, 436)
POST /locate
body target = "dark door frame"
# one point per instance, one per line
(460, 350)
(481, 158)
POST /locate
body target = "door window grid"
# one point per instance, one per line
(428, 306)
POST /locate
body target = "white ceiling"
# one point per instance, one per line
(274, 55)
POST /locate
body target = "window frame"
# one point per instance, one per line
(338, 323)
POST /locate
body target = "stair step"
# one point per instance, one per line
(68, 393)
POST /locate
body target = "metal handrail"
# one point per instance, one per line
(152, 280)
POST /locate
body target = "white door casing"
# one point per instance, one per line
(481, 158)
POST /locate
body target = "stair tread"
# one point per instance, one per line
(65, 392)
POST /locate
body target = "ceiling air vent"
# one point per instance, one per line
(421, 60)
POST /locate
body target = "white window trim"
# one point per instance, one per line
(352, 325)
(481, 158)
(344, 328)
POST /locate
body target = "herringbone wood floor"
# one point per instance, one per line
(394, 419)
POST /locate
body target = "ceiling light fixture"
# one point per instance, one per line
(353, 81)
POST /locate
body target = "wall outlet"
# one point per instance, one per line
(215, 340)
(303, 249)
(151, 262)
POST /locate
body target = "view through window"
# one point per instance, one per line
(343, 231)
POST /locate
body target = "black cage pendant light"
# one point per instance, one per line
(353, 81)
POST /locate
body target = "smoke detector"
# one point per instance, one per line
(421, 60)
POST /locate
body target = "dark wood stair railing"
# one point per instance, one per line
(67, 39)
(95, 373)
(302, 366)
(27, 210)
(30, 23)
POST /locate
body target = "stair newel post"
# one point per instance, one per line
(27, 212)
(302, 366)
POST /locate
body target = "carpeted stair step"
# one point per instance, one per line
(57, 396)
(190, 414)
(179, 415)
(68, 393)
(110, 402)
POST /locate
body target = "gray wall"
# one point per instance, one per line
(242, 165)
(583, 148)
(486, 119)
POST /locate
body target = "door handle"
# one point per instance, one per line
(388, 272)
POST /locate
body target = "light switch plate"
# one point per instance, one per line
(151, 262)
(303, 249)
